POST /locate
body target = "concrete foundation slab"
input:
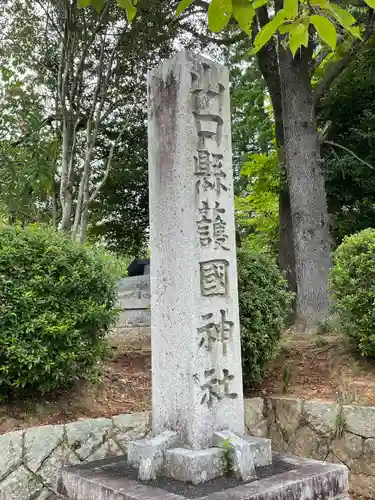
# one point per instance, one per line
(285, 479)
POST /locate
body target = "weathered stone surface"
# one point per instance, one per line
(321, 416)
(130, 427)
(108, 449)
(348, 448)
(310, 480)
(243, 453)
(47, 494)
(193, 276)
(194, 466)
(60, 457)
(288, 414)
(40, 442)
(20, 485)
(306, 443)
(360, 420)
(253, 412)
(263, 450)
(259, 430)
(278, 442)
(147, 454)
(10, 451)
(86, 436)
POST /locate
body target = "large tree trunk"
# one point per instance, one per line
(306, 189)
(268, 65)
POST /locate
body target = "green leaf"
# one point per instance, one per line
(325, 29)
(219, 14)
(323, 4)
(291, 8)
(268, 30)
(244, 13)
(299, 36)
(98, 5)
(259, 3)
(371, 3)
(83, 3)
(130, 8)
(183, 5)
(343, 16)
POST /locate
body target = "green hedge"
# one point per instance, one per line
(353, 288)
(264, 307)
(56, 303)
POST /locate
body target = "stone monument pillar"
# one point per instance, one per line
(196, 354)
(197, 396)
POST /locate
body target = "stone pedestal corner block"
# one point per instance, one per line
(242, 453)
(148, 454)
(194, 466)
(263, 450)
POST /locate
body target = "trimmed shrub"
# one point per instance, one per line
(56, 304)
(264, 307)
(353, 288)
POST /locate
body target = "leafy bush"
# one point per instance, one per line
(264, 306)
(353, 288)
(56, 303)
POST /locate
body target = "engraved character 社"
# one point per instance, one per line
(216, 387)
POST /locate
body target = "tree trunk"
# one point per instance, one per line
(66, 199)
(268, 65)
(306, 188)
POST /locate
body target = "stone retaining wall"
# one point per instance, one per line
(323, 431)
(134, 301)
(30, 459)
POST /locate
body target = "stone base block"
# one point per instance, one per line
(263, 450)
(194, 466)
(296, 479)
(242, 453)
(148, 454)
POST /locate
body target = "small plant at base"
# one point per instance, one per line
(286, 378)
(228, 456)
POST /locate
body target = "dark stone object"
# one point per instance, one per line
(285, 479)
(139, 267)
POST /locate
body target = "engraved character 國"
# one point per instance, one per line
(214, 278)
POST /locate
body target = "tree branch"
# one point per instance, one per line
(331, 143)
(334, 70)
(109, 162)
(210, 39)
